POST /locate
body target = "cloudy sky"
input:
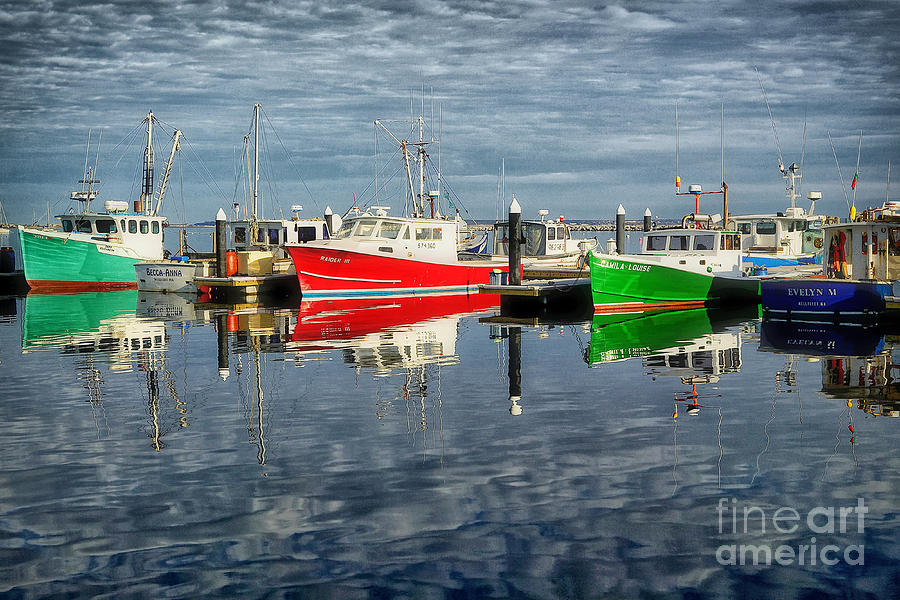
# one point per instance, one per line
(578, 98)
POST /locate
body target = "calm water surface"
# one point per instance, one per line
(156, 448)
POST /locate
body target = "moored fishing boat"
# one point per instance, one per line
(377, 254)
(859, 270)
(96, 251)
(688, 267)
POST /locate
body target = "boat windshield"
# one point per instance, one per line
(656, 242)
(345, 230)
(389, 230)
(705, 242)
(365, 227)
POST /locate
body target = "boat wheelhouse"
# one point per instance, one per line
(273, 234)
(547, 241)
(377, 254)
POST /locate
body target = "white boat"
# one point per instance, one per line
(547, 243)
(789, 238)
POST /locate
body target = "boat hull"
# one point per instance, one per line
(819, 299)
(620, 284)
(166, 276)
(324, 272)
(55, 263)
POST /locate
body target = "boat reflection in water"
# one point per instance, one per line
(688, 343)
(697, 346)
(107, 329)
(386, 337)
(860, 364)
(385, 334)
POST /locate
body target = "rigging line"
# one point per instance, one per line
(290, 158)
(843, 189)
(771, 118)
(206, 175)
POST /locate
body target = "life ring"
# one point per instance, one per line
(817, 242)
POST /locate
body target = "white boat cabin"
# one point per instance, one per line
(542, 238)
(691, 241)
(793, 232)
(862, 250)
(143, 234)
(402, 237)
(272, 234)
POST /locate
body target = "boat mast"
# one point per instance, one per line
(165, 180)
(255, 158)
(145, 203)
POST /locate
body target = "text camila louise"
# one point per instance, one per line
(623, 266)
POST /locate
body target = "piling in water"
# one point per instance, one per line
(220, 243)
(515, 242)
(620, 230)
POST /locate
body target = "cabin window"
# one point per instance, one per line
(106, 226)
(273, 236)
(83, 226)
(678, 242)
(366, 228)
(704, 242)
(155, 226)
(428, 233)
(744, 228)
(345, 230)
(389, 230)
(261, 235)
(551, 233)
(67, 225)
(305, 234)
(865, 243)
(730, 241)
(132, 226)
(560, 233)
(240, 235)
(656, 242)
(122, 225)
(765, 228)
(406, 233)
(145, 227)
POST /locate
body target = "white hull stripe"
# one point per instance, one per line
(394, 292)
(350, 278)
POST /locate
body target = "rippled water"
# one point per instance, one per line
(375, 451)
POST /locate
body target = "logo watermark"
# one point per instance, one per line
(821, 520)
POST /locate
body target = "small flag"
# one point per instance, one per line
(855, 179)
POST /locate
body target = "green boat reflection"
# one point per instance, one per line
(680, 334)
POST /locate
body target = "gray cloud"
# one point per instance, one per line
(578, 98)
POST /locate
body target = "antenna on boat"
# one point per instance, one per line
(772, 119)
(856, 175)
(677, 178)
(887, 188)
(843, 189)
